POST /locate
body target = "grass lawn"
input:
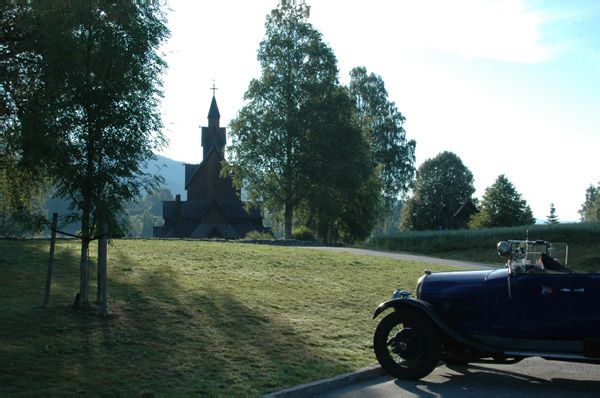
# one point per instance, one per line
(191, 317)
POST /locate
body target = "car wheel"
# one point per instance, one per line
(406, 345)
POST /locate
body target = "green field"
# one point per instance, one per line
(190, 317)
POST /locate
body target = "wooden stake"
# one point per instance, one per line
(50, 259)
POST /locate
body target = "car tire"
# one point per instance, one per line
(406, 345)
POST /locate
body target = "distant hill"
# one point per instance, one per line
(173, 173)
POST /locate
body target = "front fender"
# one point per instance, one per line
(402, 303)
(411, 304)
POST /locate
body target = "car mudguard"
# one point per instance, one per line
(410, 304)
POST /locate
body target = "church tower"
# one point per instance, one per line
(213, 136)
(213, 208)
(203, 182)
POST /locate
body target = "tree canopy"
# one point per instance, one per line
(442, 185)
(502, 206)
(83, 91)
(590, 209)
(295, 149)
(22, 187)
(341, 202)
(382, 124)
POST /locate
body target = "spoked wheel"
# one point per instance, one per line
(406, 345)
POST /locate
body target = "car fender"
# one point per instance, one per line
(410, 304)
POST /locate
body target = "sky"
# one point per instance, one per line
(510, 86)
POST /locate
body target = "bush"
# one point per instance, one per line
(255, 235)
(303, 233)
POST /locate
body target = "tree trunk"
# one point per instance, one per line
(50, 259)
(102, 260)
(289, 212)
(82, 301)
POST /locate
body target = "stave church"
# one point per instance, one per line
(213, 208)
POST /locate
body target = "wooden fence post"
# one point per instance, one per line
(50, 259)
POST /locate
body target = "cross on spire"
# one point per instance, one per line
(214, 88)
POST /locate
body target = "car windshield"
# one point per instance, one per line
(541, 256)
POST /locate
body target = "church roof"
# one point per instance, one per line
(193, 169)
(196, 208)
(213, 113)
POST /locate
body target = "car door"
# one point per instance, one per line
(585, 294)
(541, 305)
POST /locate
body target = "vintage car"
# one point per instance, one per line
(535, 306)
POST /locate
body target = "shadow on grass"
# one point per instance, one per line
(162, 335)
(204, 338)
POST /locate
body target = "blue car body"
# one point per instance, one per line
(530, 308)
(535, 306)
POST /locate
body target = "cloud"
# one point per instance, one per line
(505, 30)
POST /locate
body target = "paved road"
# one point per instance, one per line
(410, 257)
(532, 377)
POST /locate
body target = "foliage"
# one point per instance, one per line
(590, 209)
(189, 317)
(84, 89)
(21, 189)
(255, 235)
(382, 124)
(294, 146)
(442, 185)
(21, 201)
(145, 214)
(552, 217)
(391, 224)
(152, 202)
(270, 135)
(341, 202)
(502, 206)
(304, 234)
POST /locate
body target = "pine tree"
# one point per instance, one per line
(552, 217)
(502, 206)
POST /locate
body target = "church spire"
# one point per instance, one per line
(213, 113)
(214, 136)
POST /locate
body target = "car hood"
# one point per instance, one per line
(459, 296)
(455, 283)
